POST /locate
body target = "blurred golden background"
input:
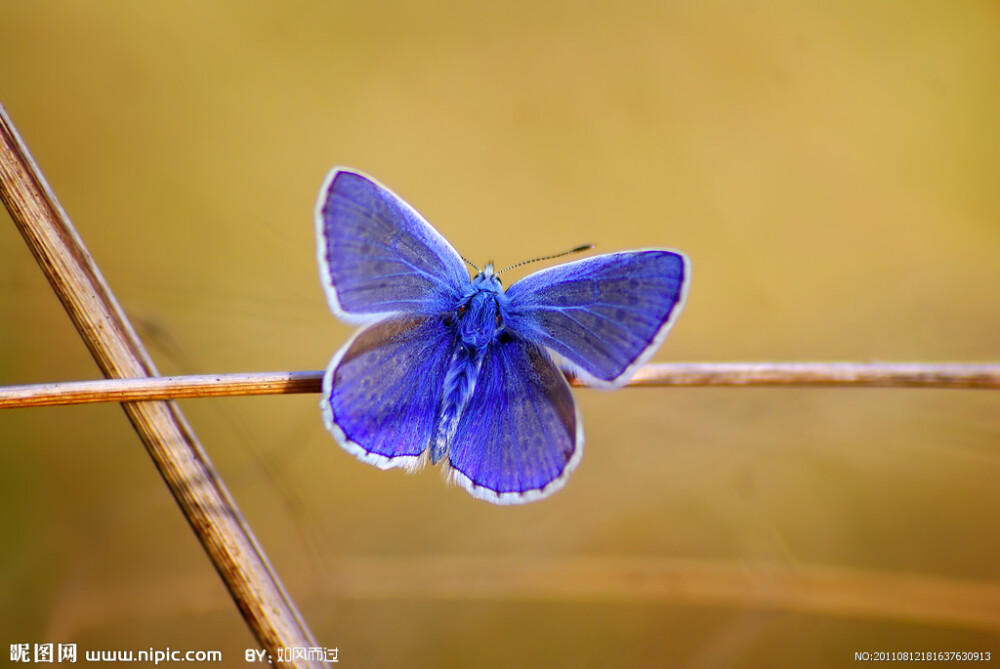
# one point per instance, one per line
(830, 168)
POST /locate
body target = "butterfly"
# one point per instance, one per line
(460, 371)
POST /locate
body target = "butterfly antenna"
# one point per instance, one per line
(578, 249)
(470, 263)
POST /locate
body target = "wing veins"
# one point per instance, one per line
(586, 328)
(538, 415)
(368, 215)
(638, 310)
(393, 256)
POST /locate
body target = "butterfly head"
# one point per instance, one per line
(486, 278)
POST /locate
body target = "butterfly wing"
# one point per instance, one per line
(603, 316)
(378, 256)
(521, 435)
(382, 390)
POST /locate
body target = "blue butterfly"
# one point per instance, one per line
(460, 371)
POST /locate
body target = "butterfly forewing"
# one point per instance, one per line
(604, 315)
(520, 435)
(378, 256)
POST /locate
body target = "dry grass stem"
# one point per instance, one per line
(828, 374)
(185, 468)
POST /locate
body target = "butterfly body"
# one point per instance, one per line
(481, 313)
(460, 371)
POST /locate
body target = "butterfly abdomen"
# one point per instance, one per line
(459, 384)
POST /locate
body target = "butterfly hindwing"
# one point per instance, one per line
(378, 256)
(520, 436)
(604, 316)
(382, 390)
